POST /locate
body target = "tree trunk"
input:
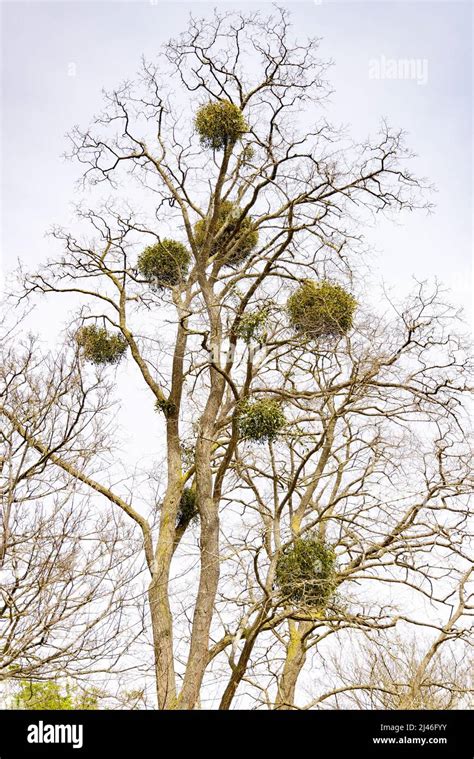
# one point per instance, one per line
(295, 659)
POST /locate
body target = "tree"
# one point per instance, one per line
(67, 570)
(323, 451)
(396, 672)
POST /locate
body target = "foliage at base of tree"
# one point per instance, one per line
(51, 695)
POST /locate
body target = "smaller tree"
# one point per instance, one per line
(65, 567)
(395, 671)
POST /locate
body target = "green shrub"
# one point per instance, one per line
(220, 124)
(188, 509)
(305, 572)
(49, 695)
(260, 420)
(236, 240)
(321, 309)
(164, 264)
(100, 346)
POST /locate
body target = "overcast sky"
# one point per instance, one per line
(56, 57)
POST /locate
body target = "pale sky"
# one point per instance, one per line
(100, 43)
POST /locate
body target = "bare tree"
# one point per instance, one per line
(377, 465)
(67, 569)
(324, 454)
(404, 672)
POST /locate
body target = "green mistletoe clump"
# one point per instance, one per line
(220, 124)
(252, 325)
(100, 346)
(261, 420)
(188, 509)
(233, 239)
(305, 572)
(164, 264)
(321, 309)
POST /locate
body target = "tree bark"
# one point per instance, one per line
(294, 663)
